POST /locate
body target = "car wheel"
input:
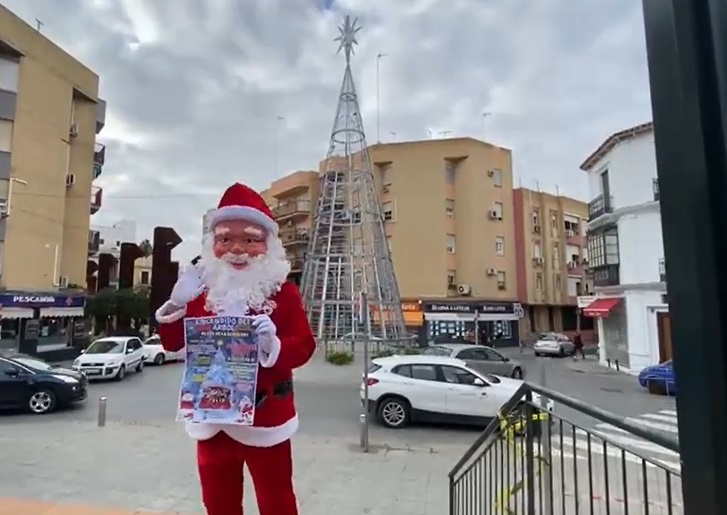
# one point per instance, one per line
(517, 373)
(121, 373)
(537, 354)
(140, 366)
(41, 402)
(561, 352)
(159, 359)
(394, 412)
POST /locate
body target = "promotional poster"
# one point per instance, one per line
(220, 371)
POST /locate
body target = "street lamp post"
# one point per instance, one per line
(378, 97)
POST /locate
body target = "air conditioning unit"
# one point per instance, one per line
(570, 233)
(538, 261)
(491, 272)
(464, 289)
(63, 281)
(536, 229)
(70, 179)
(494, 215)
(73, 131)
(490, 173)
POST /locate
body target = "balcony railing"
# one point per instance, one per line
(96, 196)
(662, 270)
(655, 188)
(574, 236)
(531, 460)
(293, 236)
(575, 268)
(599, 206)
(291, 208)
(94, 241)
(607, 275)
(99, 154)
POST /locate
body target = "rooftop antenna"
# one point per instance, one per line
(38, 24)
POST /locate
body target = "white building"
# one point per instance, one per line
(110, 237)
(625, 251)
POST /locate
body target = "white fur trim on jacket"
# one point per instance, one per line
(248, 214)
(169, 313)
(248, 435)
(268, 359)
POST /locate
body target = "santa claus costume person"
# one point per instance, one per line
(243, 272)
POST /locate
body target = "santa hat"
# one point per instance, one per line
(242, 203)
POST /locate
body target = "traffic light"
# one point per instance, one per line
(130, 252)
(106, 270)
(164, 271)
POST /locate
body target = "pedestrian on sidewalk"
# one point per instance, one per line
(578, 343)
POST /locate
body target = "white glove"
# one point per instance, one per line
(266, 332)
(188, 287)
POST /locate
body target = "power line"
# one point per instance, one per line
(117, 197)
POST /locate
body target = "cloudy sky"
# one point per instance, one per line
(195, 87)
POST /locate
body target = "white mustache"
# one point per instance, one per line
(236, 259)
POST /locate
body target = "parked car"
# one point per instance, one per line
(403, 389)
(483, 359)
(554, 344)
(111, 358)
(659, 379)
(33, 385)
(155, 354)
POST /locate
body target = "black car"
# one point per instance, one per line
(31, 384)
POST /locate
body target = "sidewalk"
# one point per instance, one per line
(134, 469)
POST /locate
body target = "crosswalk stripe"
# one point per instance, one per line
(662, 418)
(672, 412)
(624, 439)
(654, 425)
(567, 453)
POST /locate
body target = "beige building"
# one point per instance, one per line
(551, 255)
(142, 272)
(50, 114)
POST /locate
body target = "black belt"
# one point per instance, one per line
(281, 389)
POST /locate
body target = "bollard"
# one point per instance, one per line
(618, 368)
(102, 412)
(608, 361)
(363, 420)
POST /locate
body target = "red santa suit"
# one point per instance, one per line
(264, 446)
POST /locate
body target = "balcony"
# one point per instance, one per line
(607, 275)
(96, 195)
(290, 209)
(662, 270)
(599, 206)
(293, 236)
(94, 241)
(99, 158)
(655, 188)
(575, 268)
(574, 237)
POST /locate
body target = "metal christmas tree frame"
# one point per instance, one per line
(348, 256)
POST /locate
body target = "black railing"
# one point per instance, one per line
(607, 275)
(599, 206)
(533, 461)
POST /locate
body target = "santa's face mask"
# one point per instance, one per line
(238, 241)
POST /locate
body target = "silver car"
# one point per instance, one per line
(483, 359)
(554, 344)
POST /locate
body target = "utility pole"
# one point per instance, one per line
(378, 97)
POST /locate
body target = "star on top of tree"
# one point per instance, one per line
(347, 38)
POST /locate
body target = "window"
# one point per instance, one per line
(449, 207)
(500, 245)
(493, 355)
(497, 210)
(385, 175)
(497, 178)
(539, 282)
(101, 241)
(501, 280)
(558, 286)
(572, 225)
(449, 172)
(537, 249)
(477, 354)
(402, 370)
(458, 375)
(556, 256)
(554, 226)
(423, 372)
(438, 351)
(603, 248)
(451, 278)
(9, 69)
(451, 244)
(536, 219)
(388, 210)
(6, 135)
(144, 279)
(6, 367)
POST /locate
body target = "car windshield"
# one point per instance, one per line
(105, 347)
(437, 351)
(32, 362)
(548, 337)
(154, 340)
(492, 379)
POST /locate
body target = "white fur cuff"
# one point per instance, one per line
(169, 313)
(268, 359)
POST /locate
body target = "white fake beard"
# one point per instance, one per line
(237, 292)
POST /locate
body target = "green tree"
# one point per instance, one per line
(146, 247)
(119, 309)
(102, 307)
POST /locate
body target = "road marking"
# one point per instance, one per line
(614, 439)
(671, 412)
(662, 418)
(669, 428)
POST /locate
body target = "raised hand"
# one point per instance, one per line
(188, 287)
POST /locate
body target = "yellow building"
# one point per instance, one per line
(50, 114)
(142, 272)
(551, 256)
(449, 220)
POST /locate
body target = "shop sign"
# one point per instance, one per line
(410, 306)
(41, 300)
(32, 329)
(505, 308)
(585, 301)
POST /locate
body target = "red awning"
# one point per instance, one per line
(600, 308)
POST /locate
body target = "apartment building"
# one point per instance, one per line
(448, 209)
(292, 200)
(625, 251)
(551, 254)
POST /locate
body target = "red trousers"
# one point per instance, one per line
(220, 460)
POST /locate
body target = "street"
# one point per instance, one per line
(142, 451)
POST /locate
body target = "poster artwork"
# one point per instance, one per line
(220, 374)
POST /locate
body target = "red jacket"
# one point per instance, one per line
(276, 419)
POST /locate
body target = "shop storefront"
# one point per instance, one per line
(35, 323)
(490, 323)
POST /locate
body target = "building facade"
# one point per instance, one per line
(625, 251)
(50, 114)
(551, 254)
(448, 207)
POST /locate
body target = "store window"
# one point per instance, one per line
(55, 330)
(9, 329)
